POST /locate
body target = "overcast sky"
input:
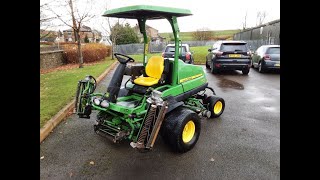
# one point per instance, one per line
(215, 15)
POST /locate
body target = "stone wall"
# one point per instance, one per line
(51, 59)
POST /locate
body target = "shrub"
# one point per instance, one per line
(86, 39)
(91, 52)
(202, 34)
(222, 37)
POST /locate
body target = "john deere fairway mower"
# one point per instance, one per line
(162, 96)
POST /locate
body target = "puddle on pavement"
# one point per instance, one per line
(226, 83)
(260, 99)
(268, 108)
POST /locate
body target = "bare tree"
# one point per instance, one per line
(45, 21)
(111, 39)
(107, 28)
(244, 25)
(203, 34)
(261, 15)
(74, 19)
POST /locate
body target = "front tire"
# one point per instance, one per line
(181, 129)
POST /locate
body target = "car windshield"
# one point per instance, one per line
(273, 50)
(233, 47)
(171, 49)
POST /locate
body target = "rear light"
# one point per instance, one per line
(162, 54)
(219, 53)
(266, 57)
(218, 65)
(188, 56)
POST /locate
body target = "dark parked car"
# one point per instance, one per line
(229, 55)
(266, 57)
(186, 54)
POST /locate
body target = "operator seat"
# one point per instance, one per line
(154, 70)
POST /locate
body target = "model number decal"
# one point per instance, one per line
(190, 78)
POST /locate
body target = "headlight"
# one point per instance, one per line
(97, 101)
(105, 103)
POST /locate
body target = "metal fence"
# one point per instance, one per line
(255, 44)
(156, 47)
(198, 43)
(265, 34)
(129, 48)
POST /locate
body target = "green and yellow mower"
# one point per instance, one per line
(162, 96)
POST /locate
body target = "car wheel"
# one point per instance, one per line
(207, 65)
(213, 70)
(246, 71)
(192, 61)
(260, 68)
(181, 129)
(215, 106)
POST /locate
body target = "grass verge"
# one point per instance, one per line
(200, 53)
(59, 87)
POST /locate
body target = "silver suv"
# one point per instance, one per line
(186, 55)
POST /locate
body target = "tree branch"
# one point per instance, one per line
(60, 18)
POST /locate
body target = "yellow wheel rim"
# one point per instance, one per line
(217, 107)
(188, 131)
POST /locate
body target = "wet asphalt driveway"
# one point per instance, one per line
(244, 143)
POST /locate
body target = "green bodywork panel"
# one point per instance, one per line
(139, 110)
(190, 76)
(150, 12)
(173, 91)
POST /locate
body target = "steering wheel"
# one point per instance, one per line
(123, 60)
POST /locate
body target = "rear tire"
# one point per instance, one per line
(181, 129)
(207, 65)
(216, 106)
(246, 71)
(252, 64)
(260, 68)
(191, 61)
(213, 70)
